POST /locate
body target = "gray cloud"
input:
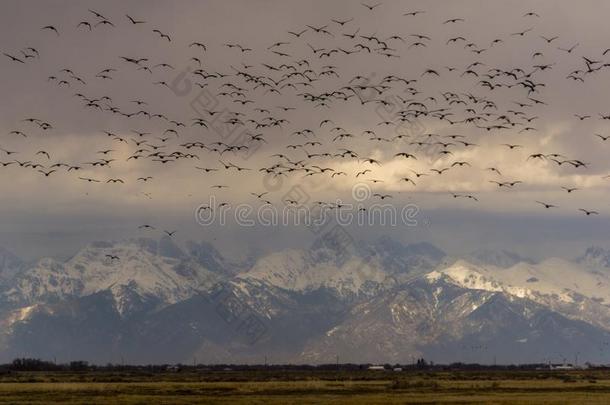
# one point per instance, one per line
(67, 211)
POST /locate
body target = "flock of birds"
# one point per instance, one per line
(305, 69)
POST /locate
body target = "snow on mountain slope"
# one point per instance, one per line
(298, 270)
(152, 274)
(560, 285)
(45, 280)
(366, 271)
(396, 326)
(382, 302)
(439, 318)
(557, 277)
(139, 272)
(474, 277)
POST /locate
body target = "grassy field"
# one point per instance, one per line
(359, 387)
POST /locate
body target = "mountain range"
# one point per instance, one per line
(151, 301)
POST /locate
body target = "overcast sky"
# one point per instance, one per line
(56, 215)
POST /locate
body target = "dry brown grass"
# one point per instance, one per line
(307, 387)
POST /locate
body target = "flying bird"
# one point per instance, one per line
(546, 205)
(13, 58)
(51, 28)
(134, 21)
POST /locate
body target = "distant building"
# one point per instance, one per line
(377, 368)
(562, 367)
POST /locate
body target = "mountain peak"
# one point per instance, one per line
(399, 258)
(168, 248)
(209, 257)
(595, 257)
(499, 258)
(135, 271)
(385, 300)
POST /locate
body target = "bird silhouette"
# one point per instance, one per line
(134, 21)
(458, 119)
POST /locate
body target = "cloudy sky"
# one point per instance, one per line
(56, 214)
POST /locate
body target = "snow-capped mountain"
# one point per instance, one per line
(498, 258)
(372, 269)
(560, 285)
(383, 301)
(436, 318)
(304, 271)
(135, 270)
(398, 258)
(557, 277)
(211, 259)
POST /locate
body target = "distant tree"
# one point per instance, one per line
(421, 363)
(79, 365)
(27, 364)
